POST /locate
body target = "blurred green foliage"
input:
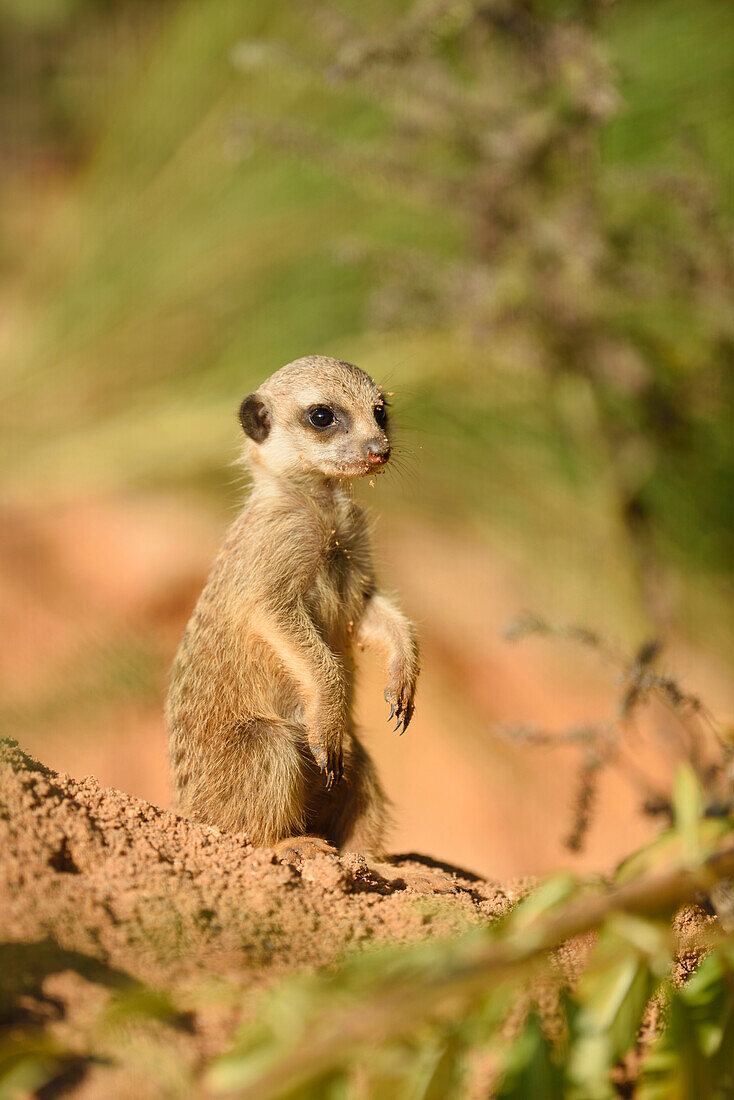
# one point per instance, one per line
(485, 1013)
(519, 213)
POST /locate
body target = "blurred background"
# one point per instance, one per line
(517, 216)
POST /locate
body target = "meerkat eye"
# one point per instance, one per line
(380, 415)
(321, 416)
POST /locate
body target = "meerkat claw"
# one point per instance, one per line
(404, 714)
(332, 767)
(400, 698)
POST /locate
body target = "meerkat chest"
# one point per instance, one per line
(343, 577)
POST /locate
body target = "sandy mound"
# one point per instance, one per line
(100, 892)
(159, 897)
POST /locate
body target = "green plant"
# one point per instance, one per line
(442, 1018)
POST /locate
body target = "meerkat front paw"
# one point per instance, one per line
(400, 694)
(329, 758)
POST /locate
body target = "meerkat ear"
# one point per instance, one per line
(255, 418)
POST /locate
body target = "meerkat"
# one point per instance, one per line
(260, 702)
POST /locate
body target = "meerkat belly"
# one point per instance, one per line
(336, 598)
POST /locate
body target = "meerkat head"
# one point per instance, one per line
(317, 416)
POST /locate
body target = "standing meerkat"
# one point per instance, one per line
(260, 702)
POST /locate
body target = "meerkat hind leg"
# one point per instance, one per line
(267, 790)
(281, 772)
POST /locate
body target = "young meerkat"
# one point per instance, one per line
(260, 702)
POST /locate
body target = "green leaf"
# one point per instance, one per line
(688, 810)
(142, 1003)
(652, 939)
(612, 996)
(543, 900)
(616, 1001)
(29, 1062)
(670, 847)
(710, 1001)
(531, 1070)
(693, 1057)
(444, 1075)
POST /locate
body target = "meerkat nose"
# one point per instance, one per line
(376, 452)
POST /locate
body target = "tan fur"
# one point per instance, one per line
(260, 702)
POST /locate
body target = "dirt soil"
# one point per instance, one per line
(109, 902)
(101, 891)
(105, 873)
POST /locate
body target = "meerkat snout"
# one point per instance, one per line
(376, 453)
